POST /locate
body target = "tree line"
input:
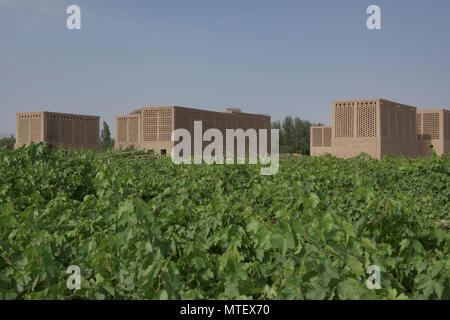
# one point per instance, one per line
(294, 135)
(8, 142)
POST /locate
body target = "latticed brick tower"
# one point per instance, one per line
(60, 130)
(150, 128)
(433, 129)
(380, 127)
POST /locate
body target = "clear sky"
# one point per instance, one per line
(277, 57)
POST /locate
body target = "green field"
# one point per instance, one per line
(148, 229)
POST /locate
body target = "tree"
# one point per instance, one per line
(302, 136)
(106, 141)
(8, 142)
(288, 142)
(294, 135)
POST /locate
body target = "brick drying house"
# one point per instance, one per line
(433, 129)
(380, 127)
(150, 128)
(60, 130)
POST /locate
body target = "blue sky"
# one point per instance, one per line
(277, 57)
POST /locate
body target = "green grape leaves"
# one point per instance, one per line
(148, 229)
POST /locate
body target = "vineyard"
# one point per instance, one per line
(143, 228)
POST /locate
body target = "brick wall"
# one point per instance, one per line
(157, 123)
(29, 128)
(61, 130)
(320, 140)
(377, 127)
(432, 129)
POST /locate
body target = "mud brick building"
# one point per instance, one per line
(433, 129)
(380, 127)
(150, 128)
(60, 130)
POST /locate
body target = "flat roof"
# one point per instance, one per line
(203, 110)
(432, 110)
(357, 100)
(57, 113)
(374, 100)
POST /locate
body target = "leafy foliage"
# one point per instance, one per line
(8, 142)
(149, 229)
(105, 138)
(294, 135)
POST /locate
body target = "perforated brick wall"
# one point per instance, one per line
(79, 126)
(430, 129)
(326, 136)
(133, 130)
(447, 124)
(321, 136)
(398, 122)
(29, 128)
(128, 133)
(317, 137)
(320, 140)
(434, 131)
(122, 129)
(158, 123)
(66, 130)
(61, 130)
(446, 121)
(92, 131)
(366, 122)
(377, 127)
(165, 124)
(23, 135)
(384, 115)
(35, 128)
(419, 120)
(344, 119)
(382, 127)
(150, 125)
